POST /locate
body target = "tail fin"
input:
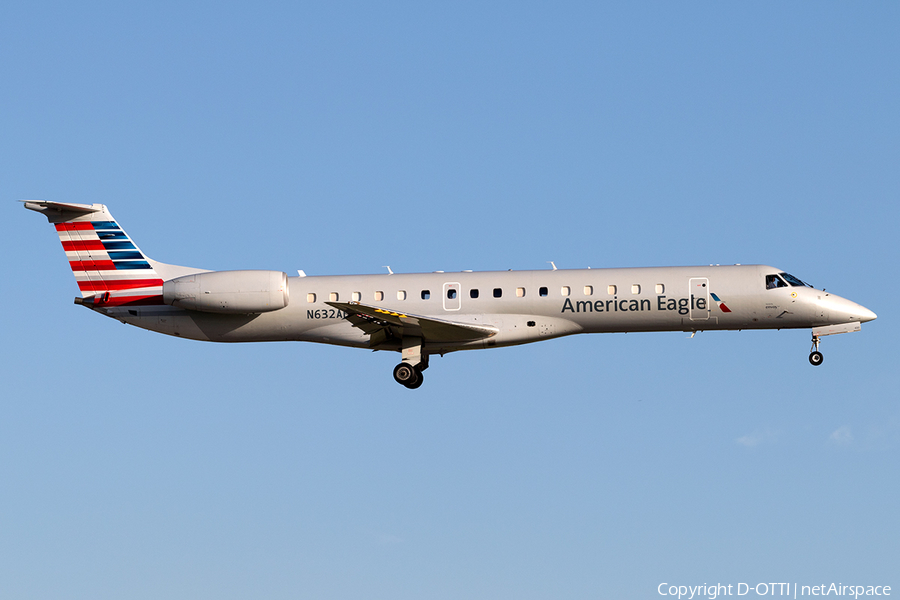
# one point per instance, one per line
(109, 267)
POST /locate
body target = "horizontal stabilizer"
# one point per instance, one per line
(57, 212)
(382, 324)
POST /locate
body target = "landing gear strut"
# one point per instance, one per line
(815, 357)
(409, 372)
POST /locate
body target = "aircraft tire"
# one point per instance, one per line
(405, 374)
(816, 358)
(418, 382)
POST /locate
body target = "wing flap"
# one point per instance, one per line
(383, 324)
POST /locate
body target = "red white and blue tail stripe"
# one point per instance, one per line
(109, 267)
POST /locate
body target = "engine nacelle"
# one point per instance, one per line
(229, 292)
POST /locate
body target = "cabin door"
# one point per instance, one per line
(451, 296)
(699, 298)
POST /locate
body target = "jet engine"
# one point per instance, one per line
(229, 292)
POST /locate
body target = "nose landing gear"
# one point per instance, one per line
(815, 357)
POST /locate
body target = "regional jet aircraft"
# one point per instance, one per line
(422, 314)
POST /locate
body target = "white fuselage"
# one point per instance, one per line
(524, 306)
(421, 314)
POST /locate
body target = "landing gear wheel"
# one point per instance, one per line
(815, 357)
(418, 382)
(407, 375)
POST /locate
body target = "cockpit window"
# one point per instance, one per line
(794, 281)
(774, 281)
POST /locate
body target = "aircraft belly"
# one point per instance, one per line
(524, 329)
(341, 334)
(161, 319)
(275, 326)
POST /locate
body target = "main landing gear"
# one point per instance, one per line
(815, 357)
(408, 375)
(409, 372)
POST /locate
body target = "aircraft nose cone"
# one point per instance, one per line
(865, 314)
(843, 310)
(857, 312)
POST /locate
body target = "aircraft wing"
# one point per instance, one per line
(383, 325)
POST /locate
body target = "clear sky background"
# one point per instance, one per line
(337, 138)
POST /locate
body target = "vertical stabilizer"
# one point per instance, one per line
(109, 267)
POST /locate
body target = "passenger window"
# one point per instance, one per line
(401, 294)
(588, 290)
(310, 298)
(520, 292)
(473, 293)
(542, 292)
(379, 296)
(660, 288)
(774, 281)
(426, 294)
(611, 290)
(565, 291)
(333, 296)
(498, 292)
(635, 289)
(451, 294)
(356, 296)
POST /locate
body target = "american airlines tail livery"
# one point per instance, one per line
(421, 314)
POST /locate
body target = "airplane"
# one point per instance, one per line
(423, 314)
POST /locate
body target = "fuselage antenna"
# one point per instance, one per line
(389, 269)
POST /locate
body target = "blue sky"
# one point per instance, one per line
(337, 139)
